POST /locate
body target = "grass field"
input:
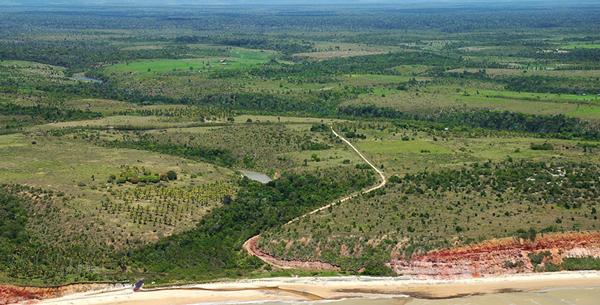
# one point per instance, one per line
(581, 45)
(398, 221)
(74, 165)
(434, 98)
(422, 152)
(238, 58)
(77, 164)
(531, 72)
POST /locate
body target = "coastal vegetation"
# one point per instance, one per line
(485, 126)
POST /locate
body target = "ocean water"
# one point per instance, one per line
(566, 296)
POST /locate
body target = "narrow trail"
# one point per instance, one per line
(250, 244)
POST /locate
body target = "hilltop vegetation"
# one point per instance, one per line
(435, 210)
(484, 120)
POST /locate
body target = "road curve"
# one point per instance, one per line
(250, 245)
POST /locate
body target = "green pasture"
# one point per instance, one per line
(590, 112)
(79, 165)
(531, 72)
(407, 69)
(62, 162)
(281, 86)
(484, 95)
(106, 122)
(253, 56)
(281, 119)
(161, 65)
(327, 46)
(581, 45)
(532, 96)
(371, 79)
(434, 152)
(29, 64)
(239, 57)
(397, 146)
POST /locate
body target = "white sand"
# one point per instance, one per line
(337, 288)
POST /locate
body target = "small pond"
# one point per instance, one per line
(88, 79)
(260, 177)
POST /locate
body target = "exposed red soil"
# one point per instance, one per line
(250, 246)
(11, 294)
(476, 260)
(490, 257)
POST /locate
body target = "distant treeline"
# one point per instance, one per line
(44, 114)
(533, 83)
(214, 155)
(552, 84)
(252, 42)
(583, 56)
(559, 126)
(82, 56)
(448, 18)
(366, 64)
(272, 103)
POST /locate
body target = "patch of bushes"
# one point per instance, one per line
(514, 265)
(545, 146)
(537, 259)
(352, 134)
(581, 263)
(314, 146)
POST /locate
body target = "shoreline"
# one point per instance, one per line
(336, 288)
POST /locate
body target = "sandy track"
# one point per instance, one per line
(250, 244)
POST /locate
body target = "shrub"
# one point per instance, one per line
(352, 134)
(514, 265)
(377, 268)
(537, 259)
(545, 146)
(171, 175)
(581, 263)
(395, 179)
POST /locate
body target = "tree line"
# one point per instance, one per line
(556, 126)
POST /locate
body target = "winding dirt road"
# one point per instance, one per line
(250, 244)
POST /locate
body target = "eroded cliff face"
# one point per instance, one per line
(498, 256)
(494, 257)
(10, 294)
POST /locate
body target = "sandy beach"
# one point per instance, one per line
(399, 290)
